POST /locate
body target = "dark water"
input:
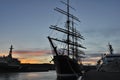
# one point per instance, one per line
(51, 75)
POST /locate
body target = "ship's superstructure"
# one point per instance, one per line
(8, 63)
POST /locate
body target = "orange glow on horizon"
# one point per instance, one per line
(33, 61)
(3, 54)
(90, 61)
(30, 58)
(37, 57)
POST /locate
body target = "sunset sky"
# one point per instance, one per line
(25, 25)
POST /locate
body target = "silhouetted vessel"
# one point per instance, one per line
(108, 67)
(8, 63)
(109, 62)
(67, 56)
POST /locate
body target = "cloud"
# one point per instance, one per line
(97, 38)
(104, 31)
(32, 52)
(33, 56)
(37, 60)
(91, 59)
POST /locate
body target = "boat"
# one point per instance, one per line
(108, 67)
(109, 62)
(8, 63)
(67, 56)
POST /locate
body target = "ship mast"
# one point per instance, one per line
(68, 25)
(10, 52)
(69, 30)
(73, 49)
(110, 48)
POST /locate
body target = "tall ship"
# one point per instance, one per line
(8, 63)
(66, 51)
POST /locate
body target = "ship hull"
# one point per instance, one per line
(9, 68)
(66, 66)
(98, 75)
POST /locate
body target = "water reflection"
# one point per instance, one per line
(28, 76)
(68, 78)
(8, 76)
(51, 75)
